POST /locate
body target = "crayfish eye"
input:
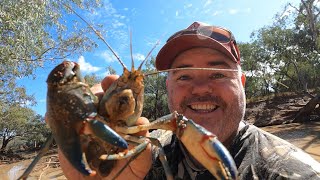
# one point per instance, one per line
(69, 71)
(123, 99)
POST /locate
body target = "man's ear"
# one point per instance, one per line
(243, 79)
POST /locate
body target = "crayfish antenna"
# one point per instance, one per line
(132, 61)
(98, 34)
(157, 43)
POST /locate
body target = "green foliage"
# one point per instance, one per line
(33, 32)
(92, 79)
(155, 99)
(37, 131)
(284, 56)
(111, 70)
(19, 121)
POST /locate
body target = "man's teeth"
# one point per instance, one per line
(203, 107)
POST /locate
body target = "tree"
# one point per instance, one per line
(18, 121)
(308, 19)
(155, 103)
(32, 33)
(111, 70)
(285, 55)
(35, 31)
(92, 79)
(37, 131)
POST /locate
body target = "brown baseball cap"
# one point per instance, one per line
(198, 34)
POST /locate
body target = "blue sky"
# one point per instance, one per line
(151, 21)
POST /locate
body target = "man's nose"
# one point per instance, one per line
(201, 86)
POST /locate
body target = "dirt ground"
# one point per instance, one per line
(305, 136)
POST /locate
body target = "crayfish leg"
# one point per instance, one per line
(163, 158)
(143, 143)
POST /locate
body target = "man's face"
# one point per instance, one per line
(213, 99)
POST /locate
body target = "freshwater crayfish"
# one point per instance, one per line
(71, 106)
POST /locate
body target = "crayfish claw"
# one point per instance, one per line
(207, 150)
(107, 134)
(228, 162)
(72, 151)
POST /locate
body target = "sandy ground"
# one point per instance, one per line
(305, 136)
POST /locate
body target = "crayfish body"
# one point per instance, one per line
(73, 119)
(71, 108)
(123, 101)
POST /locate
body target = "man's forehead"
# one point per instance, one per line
(204, 57)
(210, 63)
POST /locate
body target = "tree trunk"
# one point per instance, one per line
(5, 142)
(307, 109)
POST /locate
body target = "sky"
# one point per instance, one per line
(150, 21)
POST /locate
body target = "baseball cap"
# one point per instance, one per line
(198, 34)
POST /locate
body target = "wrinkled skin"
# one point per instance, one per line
(213, 99)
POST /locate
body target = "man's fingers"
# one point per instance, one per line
(141, 121)
(107, 81)
(99, 89)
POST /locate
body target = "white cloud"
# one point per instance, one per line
(186, 6)
(177, 13)
(207, 3)
(138, 57)
(108, 56)
(233, 11)
(248, 10)
(87, 67)
(119, 16)
(107, 10)
(116, 23)
(112, 19)
(216, 13)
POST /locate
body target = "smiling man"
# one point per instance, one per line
(216, 97)
(205, 84)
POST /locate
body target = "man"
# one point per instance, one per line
(214, 99)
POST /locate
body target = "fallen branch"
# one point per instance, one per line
(307, 109)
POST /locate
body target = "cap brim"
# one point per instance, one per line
(182, 43)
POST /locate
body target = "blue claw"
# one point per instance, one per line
(71, 149)
(107, 134)
(226, 158)
(207, 150)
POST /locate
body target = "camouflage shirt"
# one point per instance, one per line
(257, 154)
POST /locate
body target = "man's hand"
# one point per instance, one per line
(137, 169)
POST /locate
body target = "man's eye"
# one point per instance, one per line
(217, 76)
(183, 77)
